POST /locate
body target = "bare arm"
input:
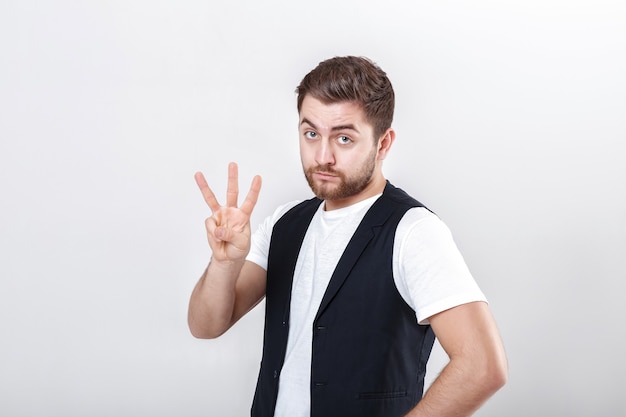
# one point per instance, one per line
(230, 286)
(477, 367)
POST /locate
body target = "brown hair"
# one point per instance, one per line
(352, 79)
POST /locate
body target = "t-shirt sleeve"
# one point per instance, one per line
(260, 241)
(429, 271)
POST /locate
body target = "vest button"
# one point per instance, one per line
(275, 374)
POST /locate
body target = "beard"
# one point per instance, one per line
(348, 185)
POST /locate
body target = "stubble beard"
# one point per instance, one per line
(347, 186)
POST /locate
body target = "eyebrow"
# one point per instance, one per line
(333, 129)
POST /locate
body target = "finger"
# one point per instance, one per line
(232, 192)
(208, 195)
(248, 204)
(214, 232)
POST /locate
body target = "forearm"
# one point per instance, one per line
(213, 300)
(460, 390)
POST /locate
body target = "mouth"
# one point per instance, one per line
(325, 175)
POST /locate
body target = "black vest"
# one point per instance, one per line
(369, 354)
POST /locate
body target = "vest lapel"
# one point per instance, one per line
(367, 229)
(283, 256)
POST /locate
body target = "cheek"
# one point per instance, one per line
(305, 157)
(352, 159)
(307, 153)
(356, 162)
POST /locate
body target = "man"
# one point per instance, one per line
(358, 281)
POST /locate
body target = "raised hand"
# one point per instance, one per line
(228, 229)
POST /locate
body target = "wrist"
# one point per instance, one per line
(225, 266)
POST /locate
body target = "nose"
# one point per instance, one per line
(324, 153)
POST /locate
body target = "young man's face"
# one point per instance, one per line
(339, 155)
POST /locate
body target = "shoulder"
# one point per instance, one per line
(429, 269)
(399, 196)
(419, 225)
(260, 242)
(295, 210)
(291, 207)
(284, 209)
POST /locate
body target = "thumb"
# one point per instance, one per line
(222, 233)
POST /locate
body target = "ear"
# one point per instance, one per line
(385, 142)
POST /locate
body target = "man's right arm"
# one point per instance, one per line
(224, 294)
(230, 285)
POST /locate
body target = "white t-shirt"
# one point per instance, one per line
(428, 270)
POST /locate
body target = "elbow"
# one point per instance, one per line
(487, 373)
(495, 374)
(497, 378)
(203, 332)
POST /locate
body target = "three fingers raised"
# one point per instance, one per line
(232, 191)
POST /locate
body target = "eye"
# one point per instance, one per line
(344, 140)
(310, 134)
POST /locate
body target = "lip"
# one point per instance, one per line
(325, 175)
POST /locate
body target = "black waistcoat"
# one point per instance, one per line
(369, 354)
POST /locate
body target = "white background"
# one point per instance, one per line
(511, 123)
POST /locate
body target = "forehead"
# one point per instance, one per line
(329, 115)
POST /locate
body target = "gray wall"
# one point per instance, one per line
(511, 123)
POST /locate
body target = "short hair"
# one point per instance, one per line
(352, 79)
